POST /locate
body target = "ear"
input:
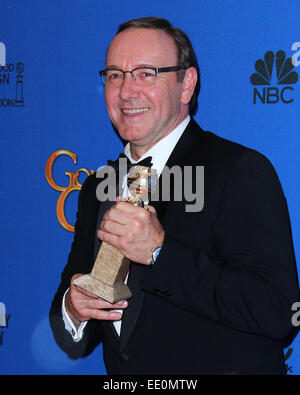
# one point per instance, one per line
(189, 84)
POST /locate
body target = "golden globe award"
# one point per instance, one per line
(110, 269)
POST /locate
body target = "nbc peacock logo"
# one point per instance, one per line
(274, 75)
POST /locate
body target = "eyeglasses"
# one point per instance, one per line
(143, 76)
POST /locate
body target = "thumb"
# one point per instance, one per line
(152, 210)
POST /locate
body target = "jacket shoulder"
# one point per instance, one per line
(219, 149)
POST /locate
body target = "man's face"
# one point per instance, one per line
(161, 104)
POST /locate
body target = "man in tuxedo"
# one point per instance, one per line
(212, 289)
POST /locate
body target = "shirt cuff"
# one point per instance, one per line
(76, 333)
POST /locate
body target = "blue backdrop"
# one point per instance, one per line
(51, 99)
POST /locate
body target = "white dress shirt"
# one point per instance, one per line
(160, 153)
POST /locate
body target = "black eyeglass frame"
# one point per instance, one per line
(156, 69)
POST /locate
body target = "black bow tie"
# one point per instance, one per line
(115, 163)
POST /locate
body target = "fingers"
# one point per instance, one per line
(121, 208)
(82, 305)
(97, 311)
(105, 315)
(112, 227)
(116, 214)
(115, 220)
(109, 238)
(103, 304)
(123, 213)
(102, 314)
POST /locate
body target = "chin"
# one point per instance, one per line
(131, 135)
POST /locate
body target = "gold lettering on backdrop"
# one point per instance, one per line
(74, 184)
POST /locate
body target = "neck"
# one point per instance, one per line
(137, 151)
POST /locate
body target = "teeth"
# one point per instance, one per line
(135, 111)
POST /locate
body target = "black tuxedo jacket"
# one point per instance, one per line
(218, 299)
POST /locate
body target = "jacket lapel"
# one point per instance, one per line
(131, 313)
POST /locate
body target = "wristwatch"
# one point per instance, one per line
(155, 252)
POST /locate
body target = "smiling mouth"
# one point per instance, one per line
(134, 111)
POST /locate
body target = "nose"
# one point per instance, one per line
(128, 88)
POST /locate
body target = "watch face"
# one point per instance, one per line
(155, 253)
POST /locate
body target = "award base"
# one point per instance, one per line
(108, 275)
(113, 294)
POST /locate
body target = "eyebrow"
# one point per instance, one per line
(113, 66)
